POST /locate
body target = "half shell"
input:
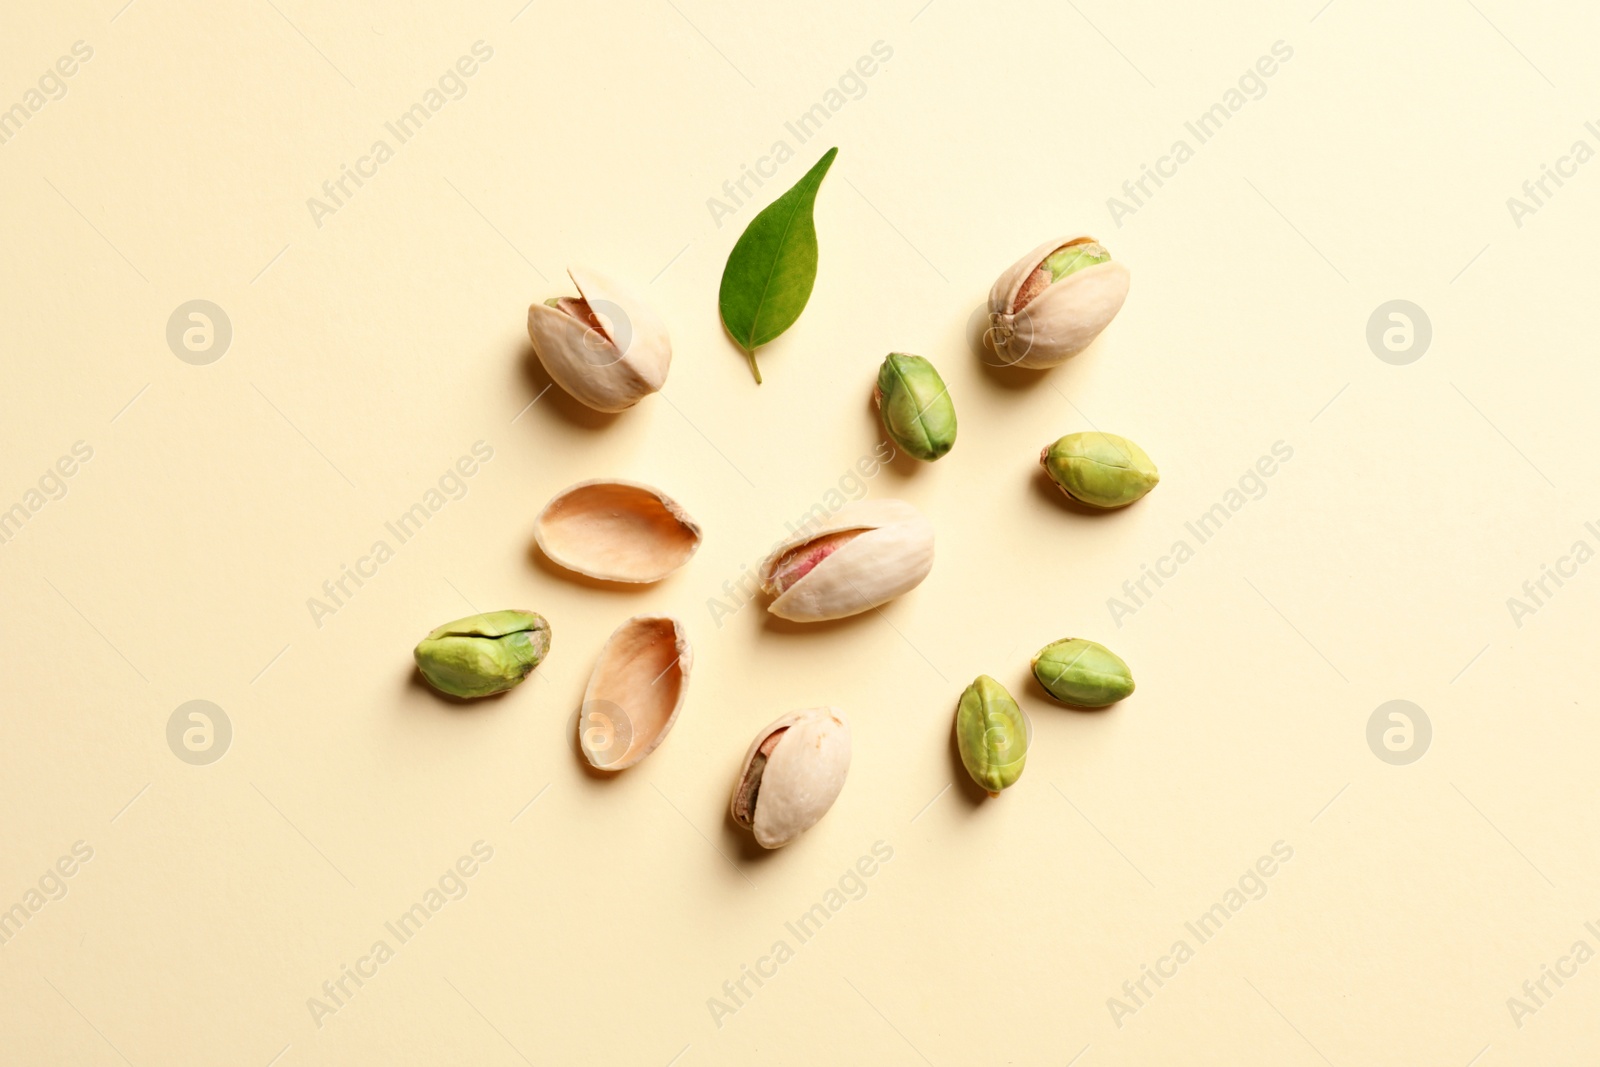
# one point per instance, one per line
(792, 774)
(636, 691)
(606, 346)
(865, 554)
(1062, 318)
(616, 531)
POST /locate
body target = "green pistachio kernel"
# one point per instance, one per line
(1064, 261)
(1101, 470)
(915, 405)
(992, 735)
(483, 654)
(1084, 673)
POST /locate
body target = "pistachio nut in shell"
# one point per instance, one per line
(635, 693)
(605, 346)
(915, 406)
(1101, 470)
(483, 654)
(1082, 672)
(1053, 301)
(616, 531)
(991, 734)
(863, 555)
(791, 775)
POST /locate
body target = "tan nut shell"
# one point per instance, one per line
(803, 776)
(611, 369)
(891, 556)
(636, 691)
(1062, 319)
(616, 531)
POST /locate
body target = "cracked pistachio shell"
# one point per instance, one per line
(863, 555)
(1054, 301)
(617, 531)
(1081, 672)
(1101, 470)
(791, 775)
(915, 406)
(636, 691)
(605, 346)
(992, 735)
(483, 654)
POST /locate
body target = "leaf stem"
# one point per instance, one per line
(751, 356)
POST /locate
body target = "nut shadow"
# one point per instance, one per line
(970, 791)
(552, 397)
(1044, 486)
(744, 841)
(905, 465)
(1005, 375)
(902, 463)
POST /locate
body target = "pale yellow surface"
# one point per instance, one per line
(372, 351)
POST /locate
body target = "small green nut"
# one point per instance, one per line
(915, 405)
(1101, 470)
(483, 654)
(1084, 673)
(992, 735)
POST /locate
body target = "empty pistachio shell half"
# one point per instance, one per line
(991, 734)
(605, 346)
(792, 774)
(1054, 301)
(483, 654)
(616, 531)
(865, 554)
(916, 407)
(635, 693)
(1101, 470)
(1081, 672)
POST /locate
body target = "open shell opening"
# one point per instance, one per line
(616, 531)
(803, 558)
(860, 556)
(636, 691)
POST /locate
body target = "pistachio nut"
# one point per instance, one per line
(1054, 301)
(605, 346)
(616, 531)
(792, 774)
(865, 554)
(1081, 672)
(992, 735)
(915, 406)
(483, 654)
(1101, 470)
(636, 692)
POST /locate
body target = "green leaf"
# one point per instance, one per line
(773, 266)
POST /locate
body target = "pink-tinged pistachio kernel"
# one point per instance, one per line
(803, 559)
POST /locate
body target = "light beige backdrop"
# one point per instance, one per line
(1427, 473)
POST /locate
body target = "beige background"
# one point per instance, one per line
(372, 351)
